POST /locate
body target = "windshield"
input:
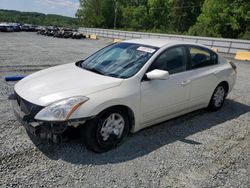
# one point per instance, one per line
(121, 60)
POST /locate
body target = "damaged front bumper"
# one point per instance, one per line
(32, 127)
(51, 131)
(39, 129)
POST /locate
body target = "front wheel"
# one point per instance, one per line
(106, 130)
(218, 98)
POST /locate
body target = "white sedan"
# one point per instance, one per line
(123, 88)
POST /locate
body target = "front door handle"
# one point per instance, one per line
(186, 82)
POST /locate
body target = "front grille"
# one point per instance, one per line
(28, 108)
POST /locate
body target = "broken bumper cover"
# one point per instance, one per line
(32, 127)
(43, 129)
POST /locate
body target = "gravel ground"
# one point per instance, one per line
(201, 149)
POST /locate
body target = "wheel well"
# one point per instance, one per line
(226, 85)
(128, 111)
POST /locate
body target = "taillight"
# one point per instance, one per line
(233, 65)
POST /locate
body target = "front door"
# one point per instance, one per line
(162, 98)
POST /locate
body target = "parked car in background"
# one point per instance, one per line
(123, 88)
(39, 28)
(3, 27)
(78, 35)
(60, 32)
(10, 27)
(67, 33)
(15, 27)
(42, 31)
(28, 28)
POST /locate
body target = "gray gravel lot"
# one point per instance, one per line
(201, 149)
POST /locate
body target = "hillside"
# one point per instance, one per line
(36, 18)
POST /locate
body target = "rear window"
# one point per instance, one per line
(201, 57)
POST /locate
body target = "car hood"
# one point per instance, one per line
(56, 83)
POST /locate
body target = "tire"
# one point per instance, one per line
(97, 135)
(218, 98)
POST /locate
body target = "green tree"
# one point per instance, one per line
(90, 13)
(108, 13)
(159, 14)
(226, 18)
(183, 14)
(134, 17)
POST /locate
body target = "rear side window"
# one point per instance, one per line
(172, 60)
(201, 57)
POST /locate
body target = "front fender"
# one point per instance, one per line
(100, 101)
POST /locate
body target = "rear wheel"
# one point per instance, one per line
(218, 98)
(106, 130)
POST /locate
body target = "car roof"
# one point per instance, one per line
(159, 42)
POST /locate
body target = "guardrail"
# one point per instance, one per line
(230, 46)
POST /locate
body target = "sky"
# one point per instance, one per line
(61, 7)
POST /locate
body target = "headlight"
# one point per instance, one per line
(61, 110)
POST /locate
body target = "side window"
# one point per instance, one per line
(202, 57)
(172, 60)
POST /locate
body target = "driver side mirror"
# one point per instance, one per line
(157, 75)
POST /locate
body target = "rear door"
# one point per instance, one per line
(203, 65)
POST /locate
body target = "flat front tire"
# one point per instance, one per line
(106, 131)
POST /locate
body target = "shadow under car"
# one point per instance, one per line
(147, 140)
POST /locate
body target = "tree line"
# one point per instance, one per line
(213, 18)
(37, 18)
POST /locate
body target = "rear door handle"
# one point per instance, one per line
(186, 82)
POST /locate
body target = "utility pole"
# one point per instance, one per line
(116, 7)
